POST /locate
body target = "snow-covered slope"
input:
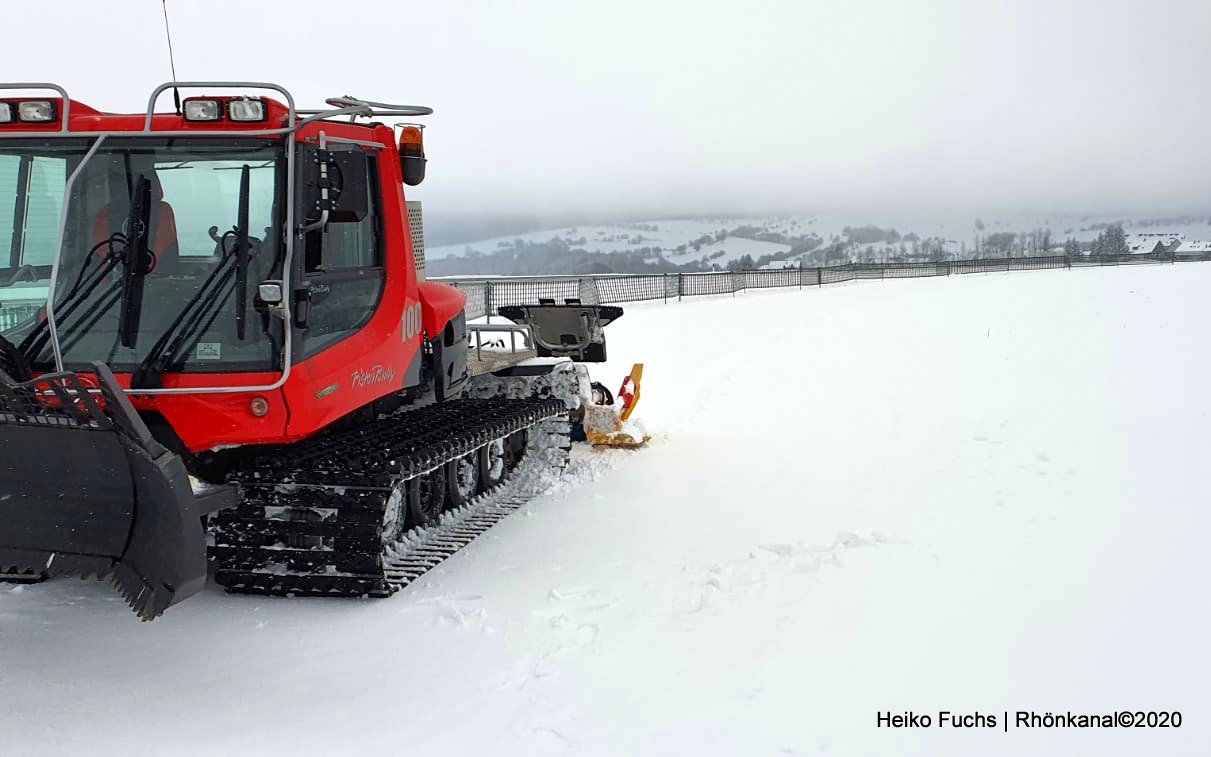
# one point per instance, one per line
(725, 251)
(981, 493)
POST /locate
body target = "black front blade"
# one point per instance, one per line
(87, 491)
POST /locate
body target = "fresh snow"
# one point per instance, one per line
(978, 493)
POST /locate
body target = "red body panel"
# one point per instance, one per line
(368, 365)
(439, 303)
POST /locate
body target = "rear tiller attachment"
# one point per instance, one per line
(575, 330)
(569, 330)
(606, 421)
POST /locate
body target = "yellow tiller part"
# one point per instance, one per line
(603, 425)
(635, 377)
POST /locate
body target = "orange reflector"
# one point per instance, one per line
(410, 141)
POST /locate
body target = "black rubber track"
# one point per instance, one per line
(311, 515)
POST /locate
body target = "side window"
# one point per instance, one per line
(343, 266)
(44, 207)
(10, 168)
(31, 203)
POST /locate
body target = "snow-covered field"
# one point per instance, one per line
(724, 252)
(982, 493)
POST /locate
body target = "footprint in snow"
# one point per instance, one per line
(553, 739)
(525, 670)
(586, 635)
(782, 550)
(471, 618)
(810, 565)
(769, 562)
(446, 598)
(849, 540)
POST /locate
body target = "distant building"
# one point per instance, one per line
(1193, 247)
(1147, 247)
(1153, 243)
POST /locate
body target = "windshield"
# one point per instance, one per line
(194, 191)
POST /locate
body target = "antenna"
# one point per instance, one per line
(176, 93)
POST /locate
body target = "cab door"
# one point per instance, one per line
(342, 265)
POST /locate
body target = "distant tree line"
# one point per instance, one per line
(857, 244)
(555, 257)
(1112, 241)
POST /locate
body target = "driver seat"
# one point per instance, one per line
(163, 243)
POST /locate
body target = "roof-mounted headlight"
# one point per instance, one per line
(6, 113)
(246, 109)
(36, 111)
(198, 109)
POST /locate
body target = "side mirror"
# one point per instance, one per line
(344, 175)
(270, 292)
(350, 203)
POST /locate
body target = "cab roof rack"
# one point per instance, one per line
(338, 106)
(354, 108)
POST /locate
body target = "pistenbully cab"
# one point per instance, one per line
(215, 325)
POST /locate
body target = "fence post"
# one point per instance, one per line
(488, 299)
(664, 287)
(679, 286)
(819, 278)
(800, 273)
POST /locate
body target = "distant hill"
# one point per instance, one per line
(721, 243)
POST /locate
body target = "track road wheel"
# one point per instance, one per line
(462, 479)
(426, 498)
(493, 467)
(395, 514)
(515, 448)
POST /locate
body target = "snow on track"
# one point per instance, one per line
(975, 493)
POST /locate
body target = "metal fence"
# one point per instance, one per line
(485, 295)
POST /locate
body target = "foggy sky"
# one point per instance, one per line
(659, 107)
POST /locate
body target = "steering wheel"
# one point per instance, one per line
(254, 243)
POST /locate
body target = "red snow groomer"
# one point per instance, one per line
(217, 318)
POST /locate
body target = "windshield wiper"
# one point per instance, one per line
(34, 342)
(242, 253)
(234, 247)
(85, 283)
(137, 261)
